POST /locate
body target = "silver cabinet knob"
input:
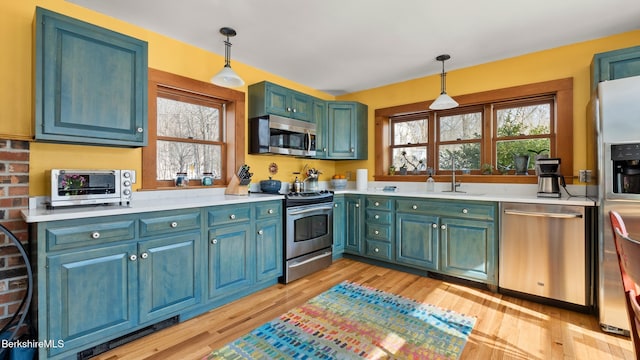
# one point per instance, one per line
(232, 216)
(414, 207)
(376, 250)
(377, 232)
(434, 225)
(335, 205)
(133, 257)
(174, 224)
(144, 255)
(140, 129)
(295, 111)
(357, 205)
(376, 203)
(443, 227)
(214, 241)
(260, 232)
(465, 211)
(95, 235)
(270, 211)
(353, 150)
(376, 217)
(324, 149)
(288, 109)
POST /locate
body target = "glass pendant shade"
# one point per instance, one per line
(227, 77)
(443, 101)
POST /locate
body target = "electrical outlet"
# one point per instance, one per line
(584, 176)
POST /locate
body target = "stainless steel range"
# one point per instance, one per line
(308, 233)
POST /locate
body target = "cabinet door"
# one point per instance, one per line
(230, 260)
(301, 106)
(417, 240)
(354, 217)
(341, 131)
(469, 249)
(269, 249)
(347, 130)
(339, 226)
(90, 83)
(92, 294)
(277, 100)
(615, 64)
(169, 274)
(320, 118)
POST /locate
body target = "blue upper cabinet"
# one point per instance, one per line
(90, 83)
(346, 130)
(266, 98)
(615, 64)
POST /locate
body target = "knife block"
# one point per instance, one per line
(234, 187)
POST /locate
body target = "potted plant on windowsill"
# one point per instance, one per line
(486, 169)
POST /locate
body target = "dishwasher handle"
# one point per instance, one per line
(543, 214)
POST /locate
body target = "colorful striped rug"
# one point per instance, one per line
(351, 321)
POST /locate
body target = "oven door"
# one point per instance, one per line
(309, 228)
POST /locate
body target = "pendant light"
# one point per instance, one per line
(227, 77)
(443, 101)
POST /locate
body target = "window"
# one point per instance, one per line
(523, 128)
(408, 148)
(487, 129)
(192, 129)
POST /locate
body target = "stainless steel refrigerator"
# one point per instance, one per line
(617, 114)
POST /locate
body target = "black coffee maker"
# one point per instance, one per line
(549, 177)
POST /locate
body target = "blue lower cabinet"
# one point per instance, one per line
(169, 275)
(354, 217)
(230, 260)
(339, 226)
(91, 295)
(269, 246)
(469, 249)
(417, 241)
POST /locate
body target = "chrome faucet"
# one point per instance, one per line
(454, 185)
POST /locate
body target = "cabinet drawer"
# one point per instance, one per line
(268, 210)
(169, 222)
(461, 209)
(228, 215)
(378, 217)
(86, 233)
(379, 203)
(378, 232)
(378, 250)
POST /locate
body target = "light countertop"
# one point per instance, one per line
(147, 201)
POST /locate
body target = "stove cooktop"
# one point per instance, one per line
(308, 197)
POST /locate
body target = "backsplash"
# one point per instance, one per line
(14, 197)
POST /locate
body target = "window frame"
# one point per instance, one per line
(233, 127)
(561, 90)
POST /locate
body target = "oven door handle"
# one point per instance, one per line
(328, 253)
(315, 209)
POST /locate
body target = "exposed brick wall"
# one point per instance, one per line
(14, 197)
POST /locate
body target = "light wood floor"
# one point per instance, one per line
(507, 328)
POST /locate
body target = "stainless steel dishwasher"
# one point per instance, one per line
(544, 251)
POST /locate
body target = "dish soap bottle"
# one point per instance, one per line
(431, 184)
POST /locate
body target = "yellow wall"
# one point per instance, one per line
(16, 18)
(567, 61)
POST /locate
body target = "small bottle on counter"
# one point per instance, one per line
(207, 179)
(431, 184)
(182, 180)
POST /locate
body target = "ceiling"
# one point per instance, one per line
(343, 46)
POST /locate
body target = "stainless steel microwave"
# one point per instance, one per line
(281, 135)
(87, 187)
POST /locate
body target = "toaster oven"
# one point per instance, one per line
(90, 187)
